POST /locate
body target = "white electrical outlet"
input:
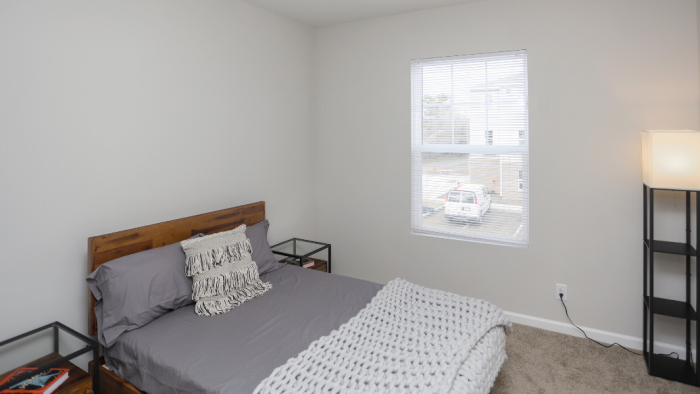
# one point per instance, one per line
(561, 289)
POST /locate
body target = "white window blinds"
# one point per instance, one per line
(469, 122)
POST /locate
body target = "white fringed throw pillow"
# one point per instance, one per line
(223, 272)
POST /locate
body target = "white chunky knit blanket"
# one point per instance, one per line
(408, 339)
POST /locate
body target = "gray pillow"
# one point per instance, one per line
(134, 290)
(262, 254)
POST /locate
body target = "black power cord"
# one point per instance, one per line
(692, 364)
(561, 298)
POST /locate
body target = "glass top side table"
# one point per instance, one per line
(77, 377)
(298, 251)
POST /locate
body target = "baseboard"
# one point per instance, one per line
(599, 335)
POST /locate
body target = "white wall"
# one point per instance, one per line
(119, 114)
(600, 71)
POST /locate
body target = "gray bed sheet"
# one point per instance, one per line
(181, 352)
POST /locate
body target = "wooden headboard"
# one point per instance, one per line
(104, 248)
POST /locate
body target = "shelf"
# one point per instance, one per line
(78, 381)
(670, 368)
(319, 265)
(672, 308)
(672, 248)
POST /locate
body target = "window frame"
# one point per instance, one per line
(419, 147)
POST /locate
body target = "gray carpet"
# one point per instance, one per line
(542, 361)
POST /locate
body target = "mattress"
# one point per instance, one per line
(181, 352)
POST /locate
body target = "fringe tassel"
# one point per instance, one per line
(225, 283)
(217, 257)
(223, 305)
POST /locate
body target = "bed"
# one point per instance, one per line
(235, 351)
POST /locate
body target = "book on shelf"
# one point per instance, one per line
(307, 262)
(43, 383)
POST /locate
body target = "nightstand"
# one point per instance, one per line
(299, 250)
(79, 381)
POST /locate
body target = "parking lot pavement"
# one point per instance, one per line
(503, 221)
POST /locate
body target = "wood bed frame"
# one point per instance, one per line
(104, 248)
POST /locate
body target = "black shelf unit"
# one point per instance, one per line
(662, 365)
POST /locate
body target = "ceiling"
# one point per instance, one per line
(330, 12)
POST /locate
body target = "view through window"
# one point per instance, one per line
(469, 121)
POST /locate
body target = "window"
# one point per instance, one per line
(469, 148)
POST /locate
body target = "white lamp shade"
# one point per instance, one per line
(671, 159)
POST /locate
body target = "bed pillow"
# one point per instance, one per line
(262, 254)
(136, 289)
(223, 272)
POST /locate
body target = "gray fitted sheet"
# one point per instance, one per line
(181, 352)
